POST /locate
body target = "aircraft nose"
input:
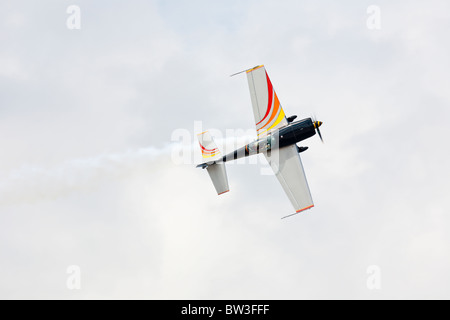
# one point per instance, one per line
(317, 124)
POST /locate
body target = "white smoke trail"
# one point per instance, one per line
(30, 184)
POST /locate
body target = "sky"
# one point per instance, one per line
(98, 120)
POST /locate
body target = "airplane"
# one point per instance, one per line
(278, 136)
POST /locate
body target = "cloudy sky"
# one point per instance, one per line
(98, 150)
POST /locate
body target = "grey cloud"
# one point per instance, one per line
(149, 228)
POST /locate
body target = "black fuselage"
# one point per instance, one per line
(296, 132)
(291, 134)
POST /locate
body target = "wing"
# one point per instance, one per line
(269, 114)
(288, 168)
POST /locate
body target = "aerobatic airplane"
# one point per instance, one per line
(277, 138)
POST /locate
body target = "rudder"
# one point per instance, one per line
(215, 167)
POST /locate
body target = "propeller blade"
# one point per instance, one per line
(320, 135)
(317, 124)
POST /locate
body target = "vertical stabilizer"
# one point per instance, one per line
(216, 170)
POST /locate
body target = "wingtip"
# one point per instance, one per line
(298, 211)
(255, 68)
(247, 70)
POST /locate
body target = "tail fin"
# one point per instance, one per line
(210, 152)
(216, 169)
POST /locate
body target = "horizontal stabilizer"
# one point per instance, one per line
(218, 174)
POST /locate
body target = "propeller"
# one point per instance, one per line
(317, 124)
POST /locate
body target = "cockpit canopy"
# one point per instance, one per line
(261, 145)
